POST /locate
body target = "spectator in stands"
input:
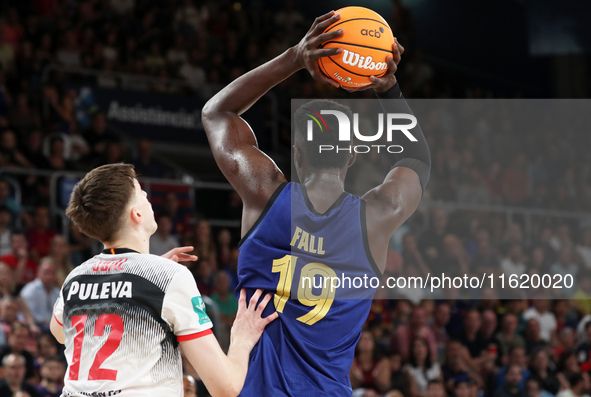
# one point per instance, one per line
(438, 328)
(369, 370)
(59, 256)
(582, 298)
(416, 327)
(538, 261)
(568, 364)
(488, 327)
(421, 367)
(533, 336)
(399, 380)
(470, 336)
(17, 342)
(163, 241)
(57, 155)
(565, 266)
(97, 136)
(80, 245)
(462, 386)
(584, 348)
(507, 337)
(7, 201)
(53, 371)
(513, 380)
(69, 52)
(515, 181)
(432, 240)
(23, 266)
(47, 347)
(411, 255)
(40, 233)
(562, 238)
(454, 259)
(435, 388)
(144, 163)
(189, 386)
(227, 305)
(8, 316)
(540, 310)
(10, 155)
(518, 358)
(513, 235)
(457, 365)
(514, 262)
(584, 248)
(203, 241)
(34, 149)
(5, 230)
(204, 276)
(566, 316)
(14, 383)
(40, 295)
(579, 386)
(192, 70)
(544, 242)
(474, 191)
(534, 389)
(539, 371)
(224, 249)
(567, 339)
(171, 206)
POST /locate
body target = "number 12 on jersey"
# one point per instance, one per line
(115, 322)
(320, 302)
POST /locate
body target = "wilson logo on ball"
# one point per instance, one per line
(372, 33)
(354, 59)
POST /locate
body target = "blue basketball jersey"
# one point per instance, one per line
(300, 255)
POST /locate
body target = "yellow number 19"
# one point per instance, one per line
(321, 302)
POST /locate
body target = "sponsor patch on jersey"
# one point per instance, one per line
(199, 308)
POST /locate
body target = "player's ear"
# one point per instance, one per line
(352, 159)
(136, 215)
(297, 155)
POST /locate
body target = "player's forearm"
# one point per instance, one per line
(238, 96)
(416, 154)
(238, 355)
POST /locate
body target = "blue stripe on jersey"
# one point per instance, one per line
(308, 350)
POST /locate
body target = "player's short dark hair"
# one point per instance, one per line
(310, 149)
(99, 200)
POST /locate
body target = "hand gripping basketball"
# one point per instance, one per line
(309, 50)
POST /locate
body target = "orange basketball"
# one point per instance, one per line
(366, 42)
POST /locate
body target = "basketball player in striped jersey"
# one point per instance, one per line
(124, 313)
(312, 229)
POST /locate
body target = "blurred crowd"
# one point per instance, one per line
(419, 344)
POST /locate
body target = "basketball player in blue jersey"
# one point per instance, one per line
(310, 229)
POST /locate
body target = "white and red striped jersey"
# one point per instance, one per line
(124, 314)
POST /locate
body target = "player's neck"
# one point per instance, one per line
(132, 241)
(326, 180)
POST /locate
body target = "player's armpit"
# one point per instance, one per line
(395, 200)
(57, 330)
(213, 366)
(388, 206)
(253, 174)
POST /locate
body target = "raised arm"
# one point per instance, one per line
(251, 172)
(391, 203)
